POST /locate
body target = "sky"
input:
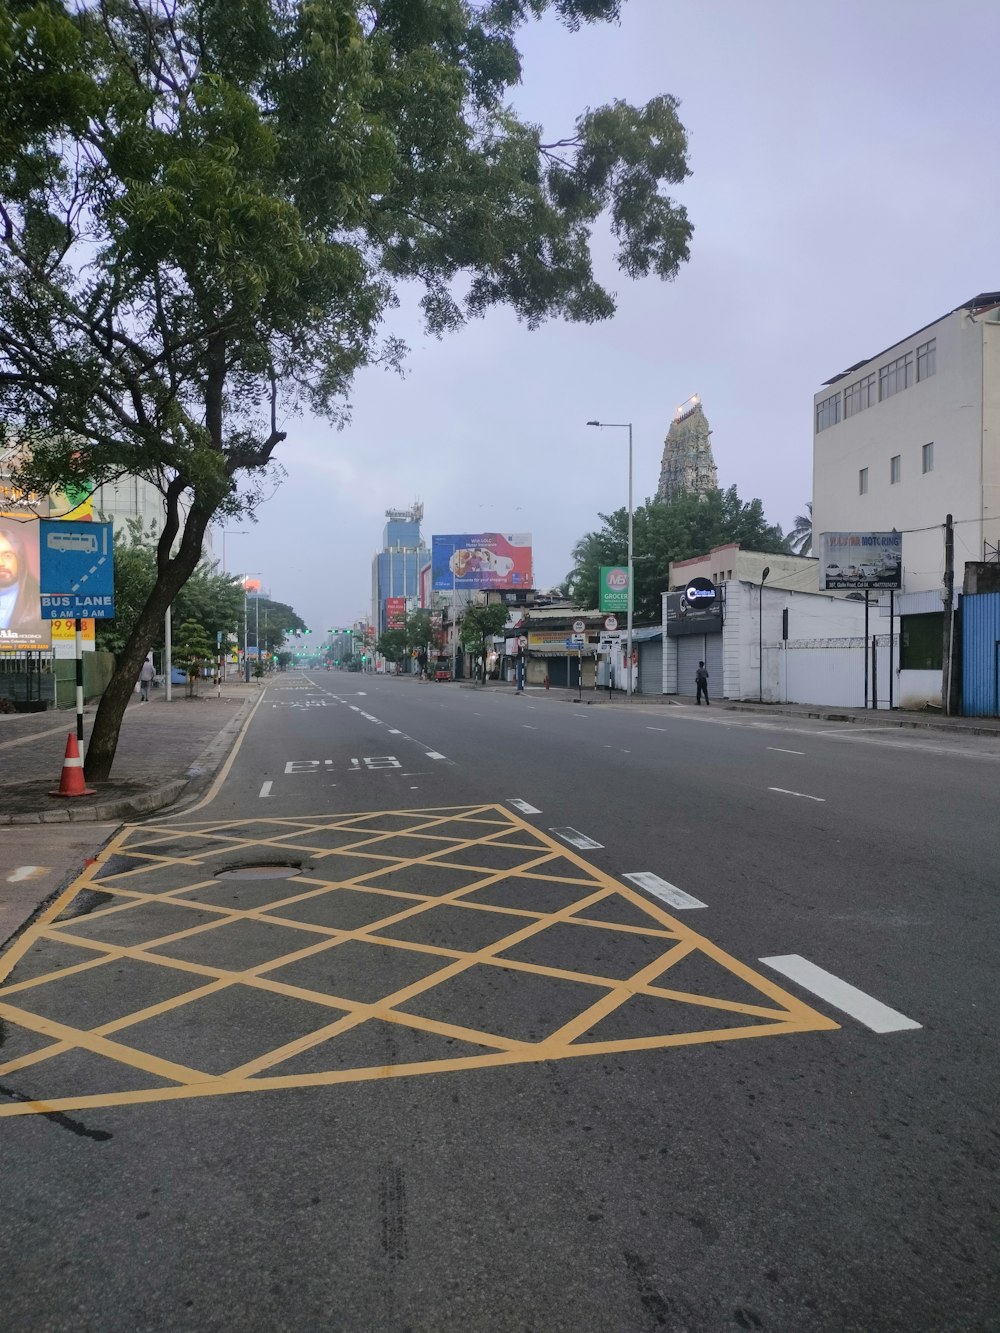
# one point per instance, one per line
(844, 193)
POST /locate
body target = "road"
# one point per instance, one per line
(518, 1013)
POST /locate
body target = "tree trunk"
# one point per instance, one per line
(110, 711)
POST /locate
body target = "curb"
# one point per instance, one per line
(869, 719)
(197, 776)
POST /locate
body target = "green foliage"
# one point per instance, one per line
(800, 539)
(209, 207)
(684, 527)
(192, 650)
(392, 645)
(212, 599)
(419, 630)
(478, 628)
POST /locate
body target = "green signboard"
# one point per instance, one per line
(614, 588)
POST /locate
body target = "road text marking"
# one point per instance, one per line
(660, 888)
(872, 1013)
(805, 795)
(266, 789)
(575, 838)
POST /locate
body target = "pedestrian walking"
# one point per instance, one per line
(146, 673)
(701, 681)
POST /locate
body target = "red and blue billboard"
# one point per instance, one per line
(471, 560)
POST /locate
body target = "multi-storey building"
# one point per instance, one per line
(907, 437)
(396, 568)
(902, 440)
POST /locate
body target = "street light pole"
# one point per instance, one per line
(760, 637)
(625, 425)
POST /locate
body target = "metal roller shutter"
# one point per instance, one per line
(650, 675)
(691, 650)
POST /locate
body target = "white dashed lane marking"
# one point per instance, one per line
(804, 795)
(778, 750)
(843, 996)
(660, 888)
(523, 806)
(575, 838)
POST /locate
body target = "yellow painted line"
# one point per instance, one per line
(89, 1041)
(223, 772)
(539, 851)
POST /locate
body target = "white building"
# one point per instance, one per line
(905, 438)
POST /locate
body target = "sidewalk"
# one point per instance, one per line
(165, 752)
(163, 748)
(883, 717)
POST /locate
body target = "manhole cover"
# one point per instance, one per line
(259, 872)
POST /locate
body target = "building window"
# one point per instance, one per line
(828, 412)
(926, 360)
(895, 377)
(863, 481)
(859, 396)
(927, 457)
(920, 642)
(895, 469)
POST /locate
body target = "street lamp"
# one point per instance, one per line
(760, 637)
(253, 573)
(625, 425)
(233, 532)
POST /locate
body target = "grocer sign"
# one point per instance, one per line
(860, 560)
(614, 588)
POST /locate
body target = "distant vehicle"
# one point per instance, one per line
(440, 668)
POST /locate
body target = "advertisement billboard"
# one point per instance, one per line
(613, 588)
(860, 560)
(471, 560)
(395, 612)
(21, 623)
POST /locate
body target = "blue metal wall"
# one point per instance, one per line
(981, 654)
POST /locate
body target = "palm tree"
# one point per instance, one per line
(800, 539)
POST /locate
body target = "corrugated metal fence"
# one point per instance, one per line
(981, 654)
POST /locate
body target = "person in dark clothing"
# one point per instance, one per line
(701, 680)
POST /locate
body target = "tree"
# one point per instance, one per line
(192, 651)
(207, 208)
(678, 529)
(213, 599)
(800, 539)
(479, 627)
(392, 645)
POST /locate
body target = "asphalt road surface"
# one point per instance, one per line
(450, 1009)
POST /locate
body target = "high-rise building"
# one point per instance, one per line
(396, 568)
(687, 465)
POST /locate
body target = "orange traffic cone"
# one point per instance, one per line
(71, 782)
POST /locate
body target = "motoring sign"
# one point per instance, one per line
(860, 560)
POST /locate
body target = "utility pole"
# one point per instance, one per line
(948, 598)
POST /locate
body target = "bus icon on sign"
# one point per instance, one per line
(72, 541)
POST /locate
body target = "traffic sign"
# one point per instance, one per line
(611, 623)
(522, 641)
(578, 627)
(577, 641)
(76, 570)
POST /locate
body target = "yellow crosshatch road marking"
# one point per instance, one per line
(410, 942)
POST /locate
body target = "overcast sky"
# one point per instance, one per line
(844, 192)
